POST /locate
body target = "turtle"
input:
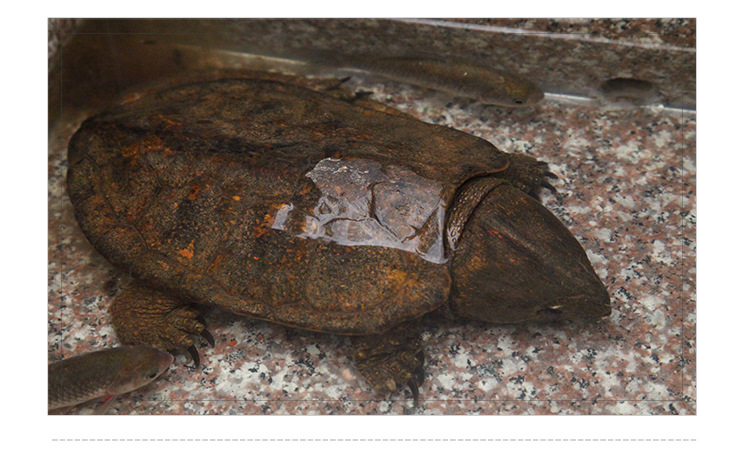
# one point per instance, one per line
(306, 208)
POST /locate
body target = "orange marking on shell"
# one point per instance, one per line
(495, 233)
(195, 189)
(259, 230)
(398, 276)
(187, 253)
(130, 150)
(265, 225)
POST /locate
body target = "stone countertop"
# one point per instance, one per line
(650, 32)
(627, 191)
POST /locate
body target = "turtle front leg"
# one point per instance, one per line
(142, 315)
(391, 360)
(528, 174)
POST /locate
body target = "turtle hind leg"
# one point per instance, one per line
(142, 315)
(391, 360)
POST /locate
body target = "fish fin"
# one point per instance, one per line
(104, 407)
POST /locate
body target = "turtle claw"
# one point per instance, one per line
(417, 378)
(206, 335)
(529, 175)
(414, 390)
(195, 356)
(547, 175)
(419, 371)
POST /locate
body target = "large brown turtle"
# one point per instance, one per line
(281, 203)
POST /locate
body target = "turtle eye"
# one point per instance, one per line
(519, 100)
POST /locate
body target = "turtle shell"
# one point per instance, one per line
(275, 201)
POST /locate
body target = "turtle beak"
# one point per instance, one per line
(583, 306)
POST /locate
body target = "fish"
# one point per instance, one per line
(627, 90)
(486, 85)
(106, 373)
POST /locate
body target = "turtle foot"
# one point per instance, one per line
(529, 174)
(144, 316)
(392, 360)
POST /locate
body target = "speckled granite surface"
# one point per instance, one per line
(678, 32)
(626, 191)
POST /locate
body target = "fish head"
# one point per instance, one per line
(514, 92)
(142, 365)
(516, 262)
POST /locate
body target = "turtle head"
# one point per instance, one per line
(515, 261)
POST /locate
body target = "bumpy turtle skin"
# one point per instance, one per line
(180, 187)
(524, 172)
